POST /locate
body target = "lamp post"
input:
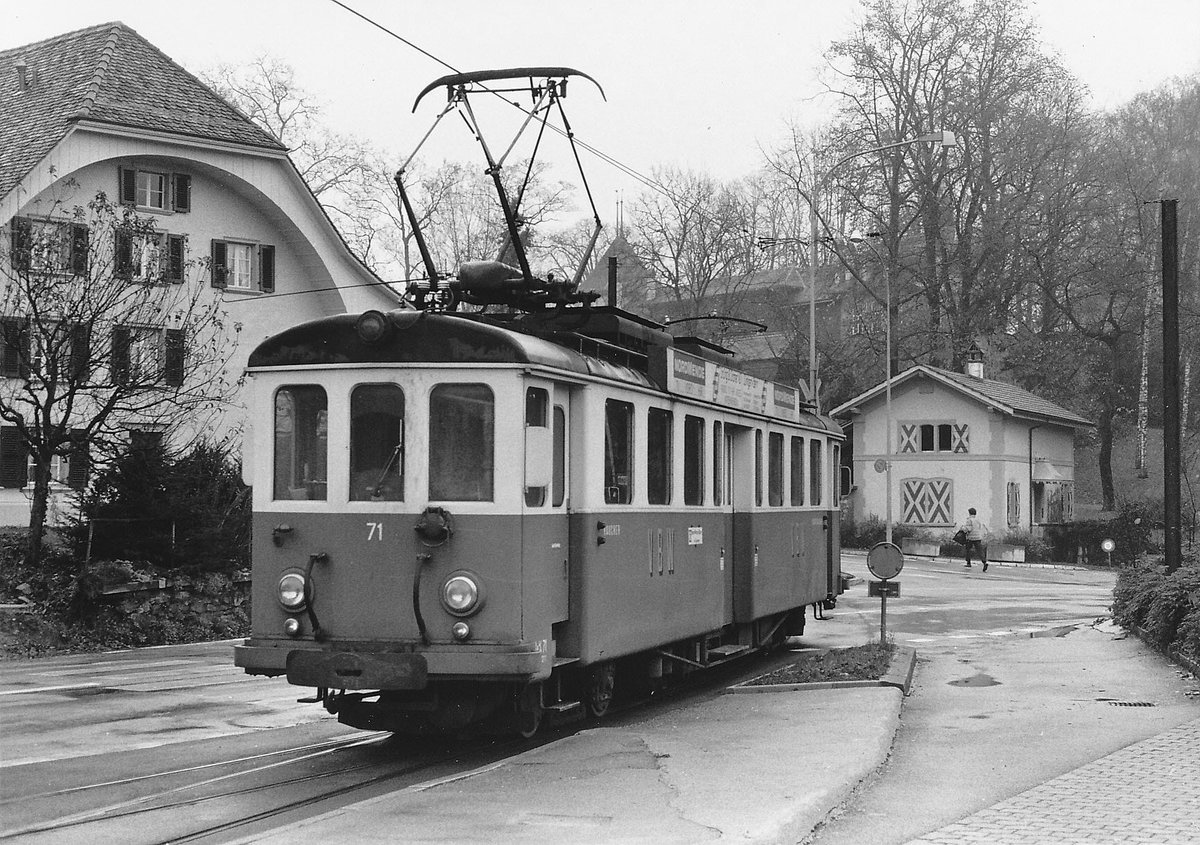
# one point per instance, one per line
(942, 138)
(887, 385)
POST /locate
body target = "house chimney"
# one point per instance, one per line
(975, 361)
(24, 77)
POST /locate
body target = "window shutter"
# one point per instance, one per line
(79, 249)
(181, 189)
(175, 258)
(15, 347)
(14, 457)
(123, 254)
(119, 366)
(81, 351)
(81, 459)
(219, 271)
(22, 241)
(173, 363)
(962, 437)
(128, 188)
(266, 275)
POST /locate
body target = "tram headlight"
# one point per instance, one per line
(291, 591)
(462, 594)
(372, 326)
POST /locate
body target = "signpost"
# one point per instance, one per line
(885, 560)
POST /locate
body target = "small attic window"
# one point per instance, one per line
(152, 190)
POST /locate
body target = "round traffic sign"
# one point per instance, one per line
(885, 560)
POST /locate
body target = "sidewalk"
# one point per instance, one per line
(749, 768)
(1148, 792)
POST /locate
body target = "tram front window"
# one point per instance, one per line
(301, 443)
(461, 443)
(377, 443)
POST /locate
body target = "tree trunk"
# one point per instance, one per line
(1104, 428)
(37, 510)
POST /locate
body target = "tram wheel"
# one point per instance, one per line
(529, 711)
(601, 681)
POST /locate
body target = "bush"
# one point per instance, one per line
(190, 512)
(1165, 607)
(1129, 529)
(872, 530)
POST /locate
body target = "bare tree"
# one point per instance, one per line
(109, 330)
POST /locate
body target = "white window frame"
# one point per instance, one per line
(144, 190)
(239, 265)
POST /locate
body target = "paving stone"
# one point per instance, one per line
(1148, 792)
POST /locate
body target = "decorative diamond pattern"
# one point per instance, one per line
(959, 439)
(926, 501)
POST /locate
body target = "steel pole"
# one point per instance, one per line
(812, 296)
(1170, 351)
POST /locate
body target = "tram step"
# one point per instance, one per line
(564, 712)
(723, 652)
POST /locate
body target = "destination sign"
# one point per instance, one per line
(691, 375)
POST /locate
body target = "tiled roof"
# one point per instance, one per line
(110, 74)
(1006, 398)
(1011, 396)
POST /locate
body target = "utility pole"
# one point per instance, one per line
(1172, 535)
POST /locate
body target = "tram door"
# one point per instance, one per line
(545, 535)
(740, 444)
(723, 487)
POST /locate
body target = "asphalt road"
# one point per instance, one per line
(1020, 678)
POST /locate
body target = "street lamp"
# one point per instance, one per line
(887, 385)
(942, 138)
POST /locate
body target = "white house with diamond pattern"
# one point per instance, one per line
(960, 441)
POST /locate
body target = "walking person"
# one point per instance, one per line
(975, 531)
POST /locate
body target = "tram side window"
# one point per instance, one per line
(693, 461)
(618, 452)
(301, 443)
(815, 470)
(836, 466)
(718, 446)
(758, 468)
(660, 455)
(559, 480)
(377, 443)
(537, 407)
(461, 443)
(775, 469)
(797, 471)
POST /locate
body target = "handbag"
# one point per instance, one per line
(960, 537)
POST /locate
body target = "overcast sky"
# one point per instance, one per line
(703, 84)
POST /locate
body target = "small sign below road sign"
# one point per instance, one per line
(888, 589)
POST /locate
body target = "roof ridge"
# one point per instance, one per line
(93, 88)
(73, 34)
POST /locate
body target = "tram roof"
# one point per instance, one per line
(425, 337)
(421, 337)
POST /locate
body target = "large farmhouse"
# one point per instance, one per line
(101, 111)
(960, 441)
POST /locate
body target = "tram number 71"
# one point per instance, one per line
(374, 531)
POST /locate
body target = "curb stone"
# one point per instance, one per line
(899, 674)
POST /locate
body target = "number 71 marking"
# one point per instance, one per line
(374, 531)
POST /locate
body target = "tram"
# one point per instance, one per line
(496, 516)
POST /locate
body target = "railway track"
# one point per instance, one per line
(220, 800)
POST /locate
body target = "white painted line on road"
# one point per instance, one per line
(45, 689)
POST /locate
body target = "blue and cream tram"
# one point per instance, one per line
(460, 519)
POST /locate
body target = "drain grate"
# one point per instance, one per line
(1132, 703)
